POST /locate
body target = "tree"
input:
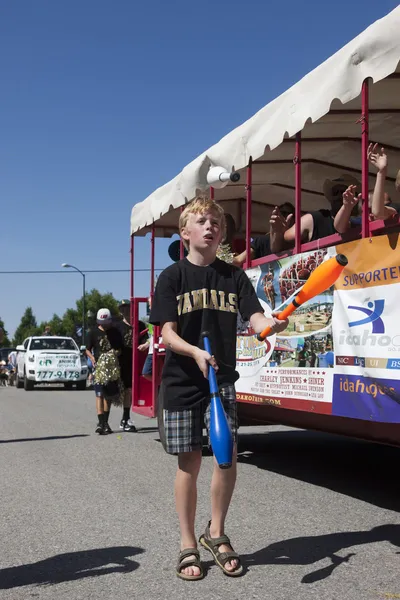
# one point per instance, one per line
(6, 342)
(28, 326)
(72, 318)
(56, 326)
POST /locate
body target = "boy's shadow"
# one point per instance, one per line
(311, 549)
(71, 566)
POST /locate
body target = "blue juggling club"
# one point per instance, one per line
(220, 431)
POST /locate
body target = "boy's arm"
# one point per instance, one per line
(89, 348)
(259, 322)
(175, 343)
(251, 309)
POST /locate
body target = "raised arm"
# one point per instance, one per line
(379, 159)
(278, 226)
(240, 259)
(342, 219)
(306, 228)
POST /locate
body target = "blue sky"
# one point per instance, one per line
(102, 102)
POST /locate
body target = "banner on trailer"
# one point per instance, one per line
(341, 352)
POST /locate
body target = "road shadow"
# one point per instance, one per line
(39, 439)
(147, 430)
(311, 549)
(71, 566)
(362, 470)
(57, 388)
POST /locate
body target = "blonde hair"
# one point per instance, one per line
(201, 205)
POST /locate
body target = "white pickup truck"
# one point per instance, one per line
(51, 359)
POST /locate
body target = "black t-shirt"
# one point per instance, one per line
(95, 337)
(323, 224)
(201, 299)
(127, 333)
(261, 245)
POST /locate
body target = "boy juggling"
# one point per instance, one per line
(198, 293)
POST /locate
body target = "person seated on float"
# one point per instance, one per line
(263, 245)
(237, 244)
(320, 223)
(379, 202)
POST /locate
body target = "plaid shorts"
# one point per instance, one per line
(184, 428)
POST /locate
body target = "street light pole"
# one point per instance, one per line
(67, 266)
(83, 311)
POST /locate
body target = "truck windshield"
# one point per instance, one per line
(49, 343)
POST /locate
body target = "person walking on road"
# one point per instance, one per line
(104, 346)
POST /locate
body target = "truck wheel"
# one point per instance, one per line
(20, 382)
(68, 386)
(160, 416)
(28, 384)
(81, 385)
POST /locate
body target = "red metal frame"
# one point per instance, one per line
(297, 205)
(138, 404)
(367, 230)
(132, 285)
(181, 246)
(152, 254)
(249, 177)
(364, 157)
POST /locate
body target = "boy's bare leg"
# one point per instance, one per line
(186, 500)
(99, 405)
(102, 405)
(222, 486)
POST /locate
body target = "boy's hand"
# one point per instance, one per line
(203, 360)
(278, 325)
(377, 157)
(349, 196)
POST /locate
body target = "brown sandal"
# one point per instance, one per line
(193, 562)
(221, 558)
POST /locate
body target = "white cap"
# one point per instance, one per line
(103, 316)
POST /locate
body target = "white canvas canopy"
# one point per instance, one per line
(325, 105)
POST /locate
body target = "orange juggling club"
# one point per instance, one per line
(322, 278)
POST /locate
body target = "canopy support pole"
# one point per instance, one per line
(156, 328)
(131, 308)
(181, 246)
(364, 120)
(249, 174)
(153, 244)
(297, 205)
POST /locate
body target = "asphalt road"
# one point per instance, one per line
(89, 517)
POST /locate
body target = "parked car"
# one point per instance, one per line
(5, 352)
(51, 359)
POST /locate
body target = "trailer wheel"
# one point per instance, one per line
(160, 416)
